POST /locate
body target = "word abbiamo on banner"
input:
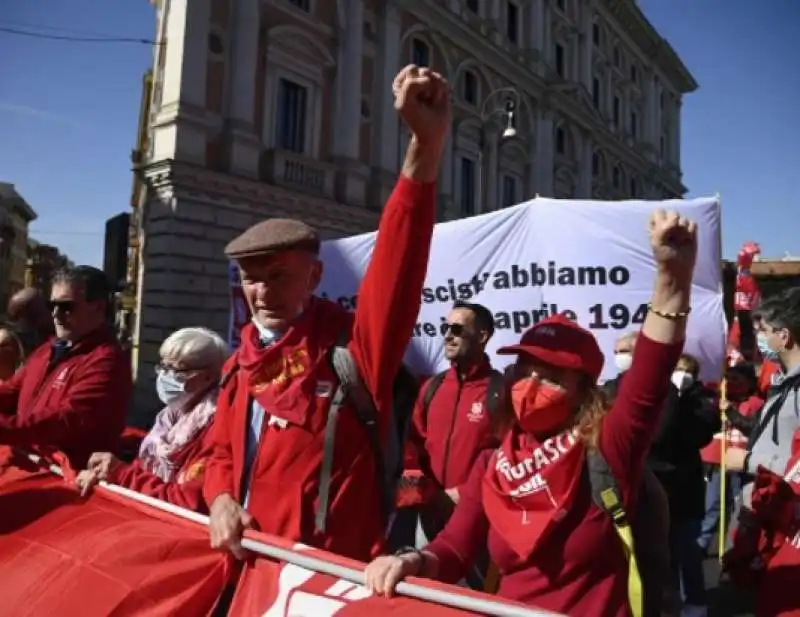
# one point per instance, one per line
(589, 260)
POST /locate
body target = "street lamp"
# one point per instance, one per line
(508, 110)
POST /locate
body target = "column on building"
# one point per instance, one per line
(386, 124)
(245, 144)
(490, 164)
(543, 157)
(183, 84)
(676, 157)
(586, 46)
(346, 137)
(585, 174)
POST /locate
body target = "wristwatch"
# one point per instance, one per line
(409, 550)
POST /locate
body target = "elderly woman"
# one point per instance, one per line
(172, 456)
(530, 501)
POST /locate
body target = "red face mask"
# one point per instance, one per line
(540, 408)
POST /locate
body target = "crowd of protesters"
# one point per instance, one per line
(538, 483)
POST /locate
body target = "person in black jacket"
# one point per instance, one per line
(689, 422)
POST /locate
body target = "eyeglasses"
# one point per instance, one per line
(456, 329)
(184, 373)
(63, 306)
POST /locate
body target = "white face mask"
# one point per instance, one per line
(682, 380)
(623, 361)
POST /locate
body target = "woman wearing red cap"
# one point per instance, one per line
(530, 500)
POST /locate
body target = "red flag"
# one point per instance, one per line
(64, 555)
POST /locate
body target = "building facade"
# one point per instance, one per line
(261, 108)
(15, 217)
(43, 260)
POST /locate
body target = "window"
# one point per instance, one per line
(560, 60)
(215, 46)
(634, 188)
(304, 5)
(420, 53)
(467, 186)
(512, 22)
(509, 191)
(595, 164)
(470, 88)
(596, 92)
(634, 74)
(290, 124)
(472, 5)
(661, 101)
(561, 141)
(663, 145)
(596, 35)
(634, 124)
(561, 4)
(616, 176)
(617, 104)
(616, 56)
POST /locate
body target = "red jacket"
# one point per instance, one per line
(284, 482)
(734, 438)
(77, 405)
(580, 568)
(186, 488)
(457, 428)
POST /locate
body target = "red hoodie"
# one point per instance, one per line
(457, 428)
(76, 405)
(186, 488)
(580, 568)
(284, 481)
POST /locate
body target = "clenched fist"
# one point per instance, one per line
(674, 242)
(422, 97)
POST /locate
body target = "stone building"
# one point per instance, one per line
(260, 108)
(15, 217)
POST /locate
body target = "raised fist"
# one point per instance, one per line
(422, 97)
(674, 242)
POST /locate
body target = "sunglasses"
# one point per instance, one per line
(456, 329)
(63, 306)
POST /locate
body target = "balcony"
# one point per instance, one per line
(297, 172)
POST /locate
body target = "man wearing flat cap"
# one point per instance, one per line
(272, 417)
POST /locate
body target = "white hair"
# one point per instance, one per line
(196, 348)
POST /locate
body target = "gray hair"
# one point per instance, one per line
(196, 348)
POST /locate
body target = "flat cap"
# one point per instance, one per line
(274, 236)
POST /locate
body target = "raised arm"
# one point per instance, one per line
(630, 425)
(390, 294)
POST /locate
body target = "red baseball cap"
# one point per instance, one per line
(560, 342)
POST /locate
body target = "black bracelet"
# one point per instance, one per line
(408, 550)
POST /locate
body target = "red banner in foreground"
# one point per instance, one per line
(108, 555)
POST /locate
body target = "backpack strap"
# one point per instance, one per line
(352, 388)
(430, 391)
(494, 392)
(607, 496)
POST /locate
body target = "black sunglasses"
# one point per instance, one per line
(64, 306)
(456, 329)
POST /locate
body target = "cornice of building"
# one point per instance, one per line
(631, 17)
(188, 181)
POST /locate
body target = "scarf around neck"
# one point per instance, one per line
(173, 430)
(530, 486)
(283, 376)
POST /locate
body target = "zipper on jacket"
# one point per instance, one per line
(446, 458)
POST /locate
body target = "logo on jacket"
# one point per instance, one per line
(476, 412)
(60, 380)
(195, 470)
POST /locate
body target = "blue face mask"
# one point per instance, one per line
(765, 350)
(266, 335)
(170, 389)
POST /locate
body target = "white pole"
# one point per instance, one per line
(309, 562)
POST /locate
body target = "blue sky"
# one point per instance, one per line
(68, 113)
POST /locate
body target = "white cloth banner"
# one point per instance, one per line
(589, 259)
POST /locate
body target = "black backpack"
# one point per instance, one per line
(493, 392)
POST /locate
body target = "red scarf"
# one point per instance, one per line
(529, 487)
(284, 377)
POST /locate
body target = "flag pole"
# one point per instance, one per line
(723, 404)
(309, 562)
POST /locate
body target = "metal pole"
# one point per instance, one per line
(309, 562)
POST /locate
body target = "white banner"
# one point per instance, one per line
(589, 259)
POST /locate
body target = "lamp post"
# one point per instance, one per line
(508, 110)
